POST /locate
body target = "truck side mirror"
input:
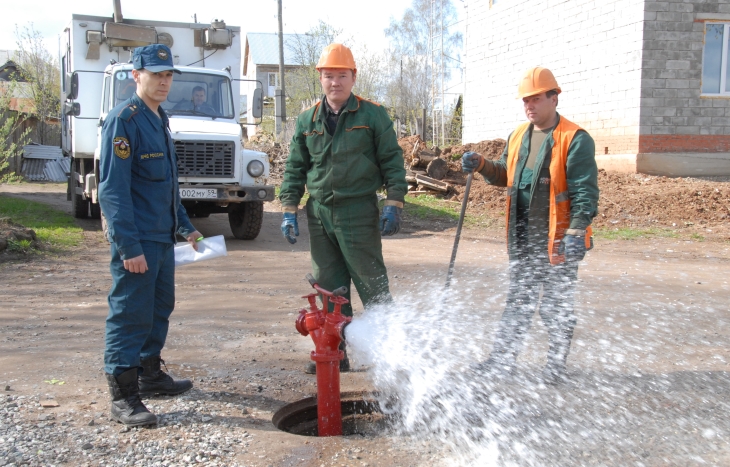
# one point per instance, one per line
(72, 108)
(73, 86)
(257, 105)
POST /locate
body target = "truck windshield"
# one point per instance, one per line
(200, 94)
(190, 94)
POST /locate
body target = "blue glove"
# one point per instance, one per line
(470, 161)
(574, 248)
(288, 224)
(390, 220)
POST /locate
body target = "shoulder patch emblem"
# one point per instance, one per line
(121, 147)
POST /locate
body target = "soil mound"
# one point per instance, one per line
(697, 206)
(644, 200)
(12, 232)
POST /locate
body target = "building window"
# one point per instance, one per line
(715, 62)
(273, 79)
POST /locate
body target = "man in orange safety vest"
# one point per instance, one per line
(549, 169)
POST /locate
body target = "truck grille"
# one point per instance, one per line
(205, 158)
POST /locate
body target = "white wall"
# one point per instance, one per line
(592, 46)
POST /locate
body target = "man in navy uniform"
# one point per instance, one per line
(140, 200)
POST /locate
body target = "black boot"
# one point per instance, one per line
(127, 408)
(154, 381)
(311, 368)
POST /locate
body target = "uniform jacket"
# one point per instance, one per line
(360, 157)
(138, 187)
(581, 175)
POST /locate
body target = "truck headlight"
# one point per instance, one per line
(255, 168)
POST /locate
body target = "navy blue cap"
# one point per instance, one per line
(155, 58)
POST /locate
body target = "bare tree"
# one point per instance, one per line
(40, 70)
(371, 74)
(411, 68)
(302, 84)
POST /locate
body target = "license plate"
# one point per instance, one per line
(198, 193)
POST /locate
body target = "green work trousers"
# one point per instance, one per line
(345, 247)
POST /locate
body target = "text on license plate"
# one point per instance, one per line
(198, 193)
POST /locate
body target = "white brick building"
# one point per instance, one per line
(646, 78)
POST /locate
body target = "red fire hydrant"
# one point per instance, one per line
(327, 331)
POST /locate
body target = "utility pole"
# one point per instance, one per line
(280, 98)
(436, 40)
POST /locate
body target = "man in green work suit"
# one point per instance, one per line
(343, 150)
(549, 169)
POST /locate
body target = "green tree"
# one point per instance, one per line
(12, 135)
(40, 70)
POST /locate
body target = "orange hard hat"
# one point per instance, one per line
(336, 56)
(537, 80)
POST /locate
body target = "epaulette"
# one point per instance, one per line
(129, 111)
(360, 99)
(316, 108)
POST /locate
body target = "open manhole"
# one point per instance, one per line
(361, 415)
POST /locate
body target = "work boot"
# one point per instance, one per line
(498, 368)
(127, 408)
(154, 381)
(555, 372)
(311, 368)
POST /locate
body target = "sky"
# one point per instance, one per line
(365, 25)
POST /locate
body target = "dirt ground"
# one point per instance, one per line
(660, 303)
(690, 206)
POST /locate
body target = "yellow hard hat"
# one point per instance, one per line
(336, 56)
(537, 80)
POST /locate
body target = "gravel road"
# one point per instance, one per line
(649, 365)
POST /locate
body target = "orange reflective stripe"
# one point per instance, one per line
(513, 152)
(314, 114)
(563, 135)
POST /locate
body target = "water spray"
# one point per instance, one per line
(327, 331)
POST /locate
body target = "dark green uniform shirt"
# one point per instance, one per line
(360, 156)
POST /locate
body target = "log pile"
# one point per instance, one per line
(438, 172)
(425, 169)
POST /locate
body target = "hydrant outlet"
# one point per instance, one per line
(301, 323)
(341, 330)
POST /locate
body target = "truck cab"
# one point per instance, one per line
(216, 173)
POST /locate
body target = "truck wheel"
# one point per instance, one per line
(95, 210)
(79, 206)
(246, 219)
